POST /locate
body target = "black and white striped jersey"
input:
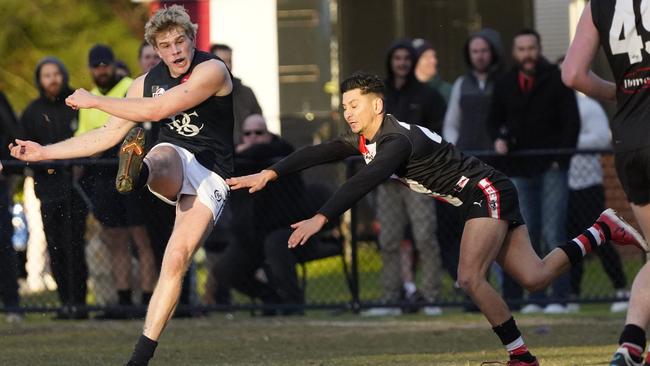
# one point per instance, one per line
(416, 156)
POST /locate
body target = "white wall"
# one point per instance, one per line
(250, 28)
(552, 23)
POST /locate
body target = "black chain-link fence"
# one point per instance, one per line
(404, 258)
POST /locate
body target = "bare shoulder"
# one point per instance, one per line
(216, 73)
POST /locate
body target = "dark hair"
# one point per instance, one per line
(142, 46)
(367, 83)
(219, 47)
(529, 32)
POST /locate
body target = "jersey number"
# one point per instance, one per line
(623, 35)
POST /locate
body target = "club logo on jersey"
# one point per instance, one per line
(157, 90)
(186, 78)
(182, 124)
(217, 196)
(367, 151)
(368, 156)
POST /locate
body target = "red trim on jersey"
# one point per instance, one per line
(634, 72)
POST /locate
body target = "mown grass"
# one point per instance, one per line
(588, 338)
(326, 282)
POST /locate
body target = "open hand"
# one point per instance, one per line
(305, 229)
(27, 150)
(81, 98)
(256, 182)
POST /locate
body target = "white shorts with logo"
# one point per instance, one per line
(199, 181)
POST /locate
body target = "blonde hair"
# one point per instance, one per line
(166, 19)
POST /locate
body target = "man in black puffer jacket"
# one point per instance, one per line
(532, 109)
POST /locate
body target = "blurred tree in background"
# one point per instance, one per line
(67, 29)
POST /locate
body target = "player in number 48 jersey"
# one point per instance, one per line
(494, 229)
(622, 28)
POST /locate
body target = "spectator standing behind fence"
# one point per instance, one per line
(587, 195)
(465, 125)
(244, 100)
(532, 109)
(8, 268)
(147, 57)
(47, 120)
(397, 206)
(121, 216)
(426, 68)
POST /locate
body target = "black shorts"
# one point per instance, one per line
(495, 197)
(633, 169)
(113, 209)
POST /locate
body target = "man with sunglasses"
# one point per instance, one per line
(260, 225)
(254, 132)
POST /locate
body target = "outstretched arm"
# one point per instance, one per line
(80, 146)
(304, 158)
(208, 78)
(390, 155)
(576, 68)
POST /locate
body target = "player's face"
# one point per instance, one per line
(51, 79)
(360, 110)
(176, 50)
(480, 54)
(148, 59)
(401, 62)
(526, 51)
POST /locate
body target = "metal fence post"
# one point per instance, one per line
(355, 303)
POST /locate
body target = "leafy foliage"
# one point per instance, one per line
(67, 29)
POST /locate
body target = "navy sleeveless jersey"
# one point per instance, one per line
(205, 130)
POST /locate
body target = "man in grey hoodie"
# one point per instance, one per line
(465, 122)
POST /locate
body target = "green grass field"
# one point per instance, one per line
(319, 339)
(322, 339)
(326, 282)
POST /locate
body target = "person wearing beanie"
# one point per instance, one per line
(426, 68)
(48, 120)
